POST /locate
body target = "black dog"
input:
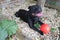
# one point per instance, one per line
(31, 16)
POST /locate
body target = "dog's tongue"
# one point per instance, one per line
(39, 14)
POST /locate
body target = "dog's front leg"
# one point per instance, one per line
(40, 22)
(31, 25)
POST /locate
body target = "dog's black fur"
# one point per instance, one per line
(27, 17)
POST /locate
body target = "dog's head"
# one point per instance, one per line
(35, 10)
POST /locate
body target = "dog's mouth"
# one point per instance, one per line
(38, 14)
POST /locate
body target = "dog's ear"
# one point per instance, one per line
(29, 7)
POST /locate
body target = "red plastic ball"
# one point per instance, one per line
(45, 28)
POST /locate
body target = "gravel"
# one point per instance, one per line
(50, 16)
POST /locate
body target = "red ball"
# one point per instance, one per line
(45, 28)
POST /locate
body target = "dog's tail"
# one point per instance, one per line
(21, 12)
